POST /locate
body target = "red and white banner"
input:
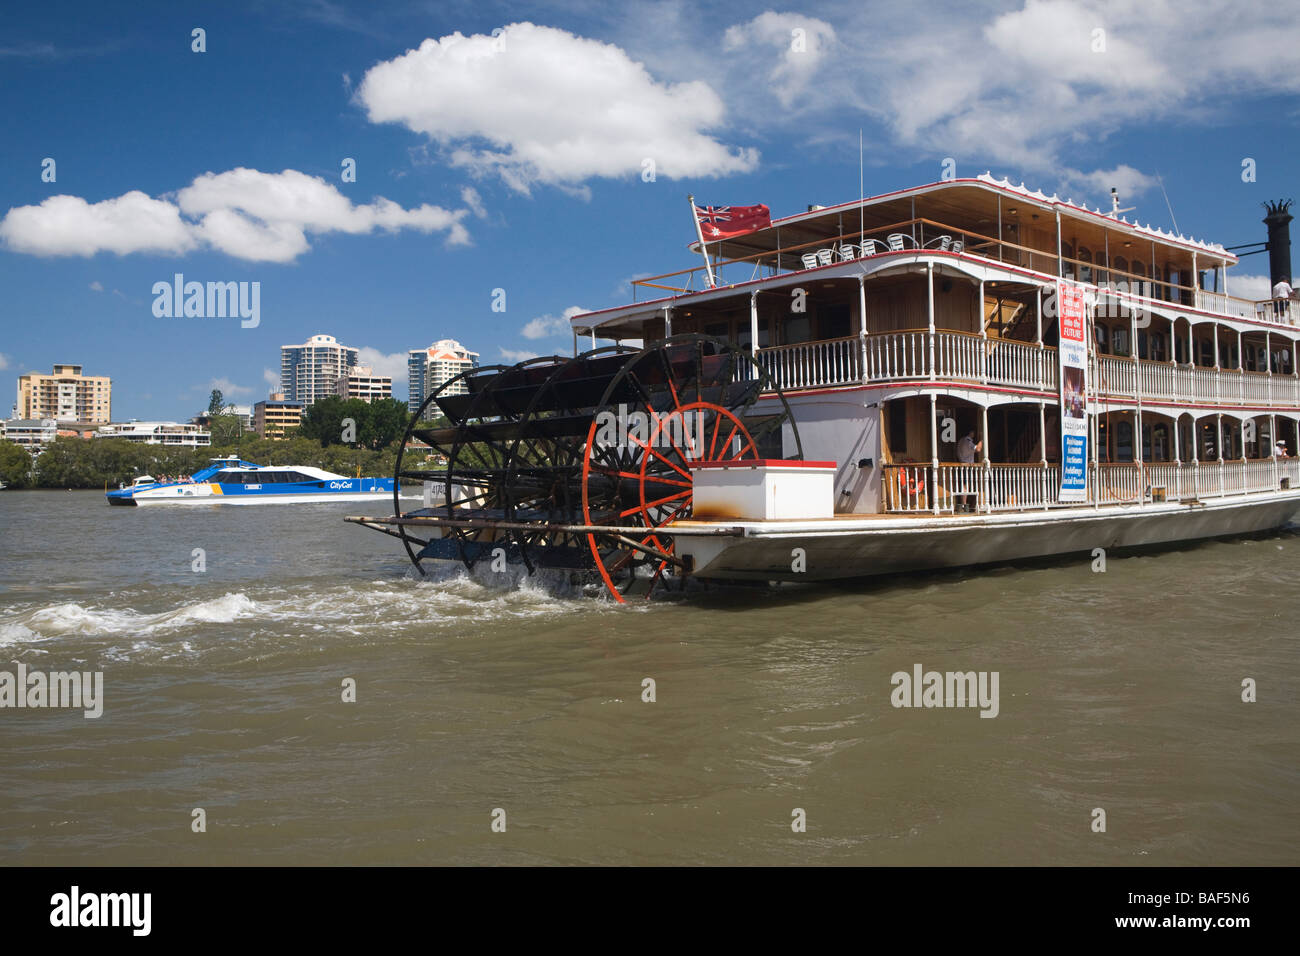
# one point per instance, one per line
(723, 222)
(1073, 352)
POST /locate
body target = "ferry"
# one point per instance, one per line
(959, 373)
(234, 481)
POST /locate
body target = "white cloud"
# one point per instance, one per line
(393, 365)
(1017, 84)
(473, 202)
(540, 105)
(70, 226)
(96, 286)
(4, 361)
(546, 326)
(272, 378)
(802, 44)
(1250, 286)
(245, 213)
(225, 386)
(517, 355)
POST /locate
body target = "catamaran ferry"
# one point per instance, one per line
(954, 374)
(233, 481)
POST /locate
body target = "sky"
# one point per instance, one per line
(382, 170)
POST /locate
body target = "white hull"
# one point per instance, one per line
(851, 548)
(211, 499)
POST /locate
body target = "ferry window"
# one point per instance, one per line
(1205, 354)
(1085, 271)
(1067, 253)
(1155, 443)
(1121, 264)
(898, 428)
(1159, 347)
(1142, 344)
(1119, 341)
(742, 335)
(834, 321)
(796, 329)
(1124, 441)
(1103, 441)
(1180, 349)
(1103, 337)
(1101, 268)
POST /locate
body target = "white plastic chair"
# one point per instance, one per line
(824, 256)
(958, 246)
(848, 251)
(898, 241)
(809, 260)
(942, 243)
(871, 246)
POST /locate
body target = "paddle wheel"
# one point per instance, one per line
(582, 464)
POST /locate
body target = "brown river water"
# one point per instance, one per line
(521, 705)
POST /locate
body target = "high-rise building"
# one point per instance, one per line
(428, 369)
(273, 416)
(310, 372)
(362, 382)
(66, 396)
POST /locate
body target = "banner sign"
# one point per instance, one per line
(1073, 351)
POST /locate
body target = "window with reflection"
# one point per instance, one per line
(1085, 270)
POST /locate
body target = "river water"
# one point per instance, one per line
(522, 706)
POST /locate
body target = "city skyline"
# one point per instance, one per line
(356, 200)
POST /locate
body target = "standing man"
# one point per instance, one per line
(966, 451)
(1279, 450)
(1282, 293)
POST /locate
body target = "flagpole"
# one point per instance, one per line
(708, 266)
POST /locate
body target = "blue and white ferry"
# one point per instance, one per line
(234, 481)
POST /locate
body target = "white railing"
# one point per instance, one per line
(897, 355)
(994, 487)
(906, 356)
(814, 364)
(906, 488)
(1021, 364)
(1022, 487)
(1118, 483)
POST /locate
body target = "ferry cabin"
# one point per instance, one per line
(898, 324)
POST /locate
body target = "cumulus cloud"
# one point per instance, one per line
(225, 386)
(391, 364)
(1250, 286)
(245, 213)
(70, 226)
(801, 44)
(96, 286)
(546, 326)
(1027, 84)
(272, 378)
(537, 104)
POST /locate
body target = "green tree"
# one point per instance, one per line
(216, 402)
(15, 465)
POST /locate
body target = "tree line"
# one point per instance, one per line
(368, 443)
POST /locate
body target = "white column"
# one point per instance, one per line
(1042, 449)
(668, 321)
(862, 326)
(929, 300)
(934, 455)
(753, 323)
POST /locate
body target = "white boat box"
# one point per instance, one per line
(763, 489)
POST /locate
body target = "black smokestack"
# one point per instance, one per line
(1278, 221)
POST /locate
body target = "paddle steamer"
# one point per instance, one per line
(959, 373)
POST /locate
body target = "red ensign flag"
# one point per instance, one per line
(723, 222)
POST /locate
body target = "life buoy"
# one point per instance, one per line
(911, 484)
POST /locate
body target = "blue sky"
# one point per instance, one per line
(514, 160)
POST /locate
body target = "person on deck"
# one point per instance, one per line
(1282, 293)
(967, 448)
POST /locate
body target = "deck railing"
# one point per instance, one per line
(964, 357)
(958, 488)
